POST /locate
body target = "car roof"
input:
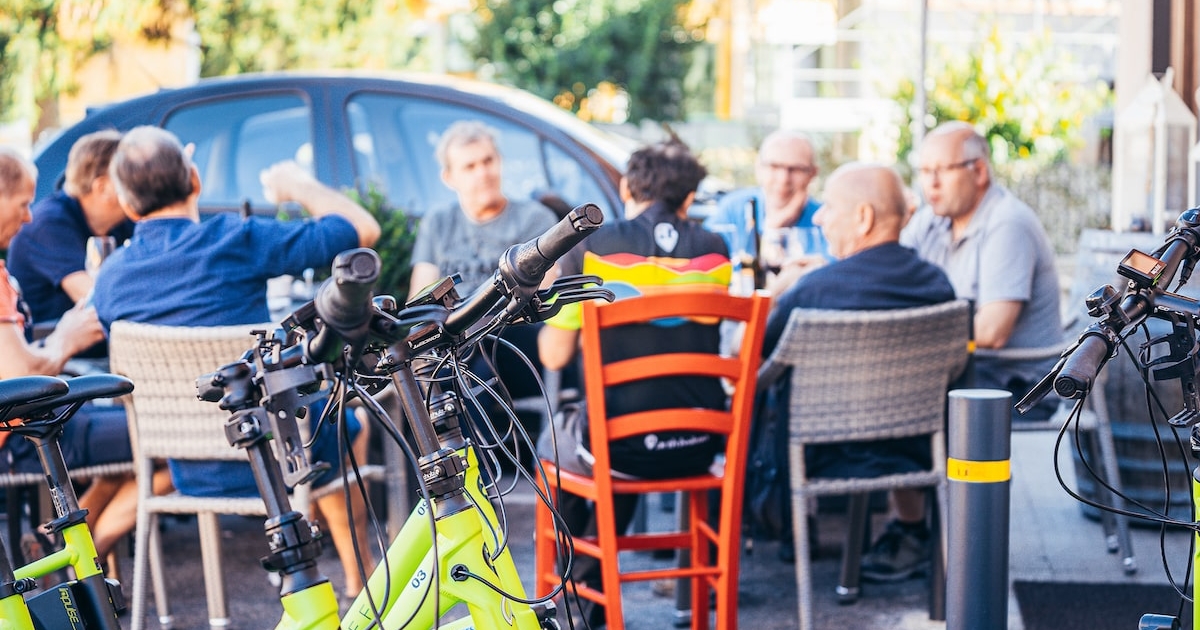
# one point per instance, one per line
(153, 108)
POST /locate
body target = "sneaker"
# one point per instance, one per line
(899, 554)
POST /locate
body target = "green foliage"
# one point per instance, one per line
(398, 233)
(38, 57)
(563, 50)
(281, 34)
(44, 43)
(1018, 96)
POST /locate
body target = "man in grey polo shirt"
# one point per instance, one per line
(995, 252)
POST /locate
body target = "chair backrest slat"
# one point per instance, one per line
(706, 420)
(678, 363)
(739, 372)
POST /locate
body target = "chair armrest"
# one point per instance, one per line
(1022, 354)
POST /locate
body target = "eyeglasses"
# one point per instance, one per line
(791, 169)
(938, 171)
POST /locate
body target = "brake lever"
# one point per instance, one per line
(568, 283)
(547, 302)
(546, 311)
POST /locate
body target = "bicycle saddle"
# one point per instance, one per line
(24, 390)
(40, 414)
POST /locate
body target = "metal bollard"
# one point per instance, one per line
(978, 496)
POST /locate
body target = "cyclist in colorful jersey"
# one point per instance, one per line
(656, 249)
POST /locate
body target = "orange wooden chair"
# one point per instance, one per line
(706, 571)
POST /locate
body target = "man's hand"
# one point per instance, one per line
(288, 181)
(787, 214)
(78, 329)
(792, 271)
(283, 182)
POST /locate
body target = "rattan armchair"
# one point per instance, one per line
(864, 376)
(166, 420)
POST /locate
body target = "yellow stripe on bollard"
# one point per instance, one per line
(978, 472)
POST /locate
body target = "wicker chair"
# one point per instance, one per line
(862, 376)
(166, 420)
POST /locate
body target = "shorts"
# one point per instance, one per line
(94, 435)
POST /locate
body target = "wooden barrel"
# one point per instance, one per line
(1139, 458)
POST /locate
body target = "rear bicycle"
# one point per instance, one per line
(1171, 356)
(35, 408)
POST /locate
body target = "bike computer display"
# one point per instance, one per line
(1140, 267)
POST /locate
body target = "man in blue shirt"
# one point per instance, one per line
(47, 255)
(178, 271)
(784, 170)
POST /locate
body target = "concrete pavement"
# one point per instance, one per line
(1050, 540)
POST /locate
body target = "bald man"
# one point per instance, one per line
(785, 168)
(996, 253)
(865, 208)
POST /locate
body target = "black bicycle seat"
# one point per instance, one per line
(24, 390)
(80, 389)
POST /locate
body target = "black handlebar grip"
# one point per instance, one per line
(529, 261)
(523, 266)
(344, 300)
(1077, 374)
(343, 303)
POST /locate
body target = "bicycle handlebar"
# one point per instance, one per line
(523, 266)
(343, 303)
(1076, 371)
(1100, 340)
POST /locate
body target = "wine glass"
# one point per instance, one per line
(776, 248)
(98, 248)
(802, 241)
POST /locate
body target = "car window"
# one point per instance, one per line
(236, 139)
(570, 181)
(394, 138)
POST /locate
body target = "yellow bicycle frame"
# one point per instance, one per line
(403, 588)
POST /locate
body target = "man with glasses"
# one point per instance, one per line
(995, 252)
(785, 168)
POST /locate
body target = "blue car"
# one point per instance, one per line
(359, 131)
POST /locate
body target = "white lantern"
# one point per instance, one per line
(1152, 161)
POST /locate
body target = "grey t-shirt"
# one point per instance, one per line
(1004, 255)
(454, 243)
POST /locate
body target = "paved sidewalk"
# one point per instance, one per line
(1050, 538)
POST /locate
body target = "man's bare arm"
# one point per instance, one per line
(557, 346)
(288, 181)
(994, 323)
(77, 285)
(77, 330)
